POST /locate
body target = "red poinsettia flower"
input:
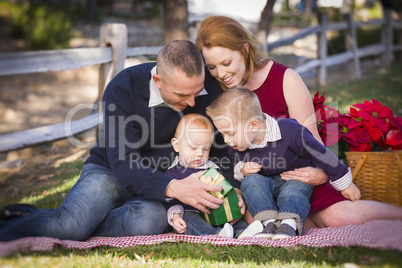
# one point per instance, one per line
(327, 121)
(318, 101)
(375, 111)
(330, 132)
(394, 135)
(354, 133)
(374, 132)
(368, 126)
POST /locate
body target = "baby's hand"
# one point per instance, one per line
(250, 168)
(179, 224)
(352, 192)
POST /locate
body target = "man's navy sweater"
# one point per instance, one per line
(135, 140)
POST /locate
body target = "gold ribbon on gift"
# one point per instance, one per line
(207, 218)
(227, 209)
(213, 181)
(228, 212)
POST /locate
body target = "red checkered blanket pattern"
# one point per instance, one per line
(377, 234)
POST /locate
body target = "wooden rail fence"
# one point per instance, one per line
(113, 52)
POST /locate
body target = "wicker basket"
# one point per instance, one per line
(378, 175)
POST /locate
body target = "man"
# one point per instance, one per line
(122, 184)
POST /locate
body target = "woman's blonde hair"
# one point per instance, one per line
(226, 32)
(238, 104)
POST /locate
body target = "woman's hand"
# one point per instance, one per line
(309, 175)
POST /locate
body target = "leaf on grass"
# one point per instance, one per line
(137, 256)
(149, 255)
(142, 259)
(207, 250)
(121, 257)
(45, 177)
(330, 256)
(44, 192)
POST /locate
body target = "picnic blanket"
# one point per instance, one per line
(376, 234)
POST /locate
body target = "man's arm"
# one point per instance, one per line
(194, 193)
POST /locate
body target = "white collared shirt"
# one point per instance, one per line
(207, 165)
(272, 134)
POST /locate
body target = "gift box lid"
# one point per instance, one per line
(212, 176)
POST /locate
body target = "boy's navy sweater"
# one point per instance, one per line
(297, 148)
(135, 141)
(179, 172)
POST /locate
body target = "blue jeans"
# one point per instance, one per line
(197, 226)
(292, 198)
(95, 206)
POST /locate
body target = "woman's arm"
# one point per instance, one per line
(301, 108)
(298, 100)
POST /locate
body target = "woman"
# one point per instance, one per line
(233, 58)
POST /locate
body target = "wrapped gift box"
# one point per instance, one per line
(228, 211)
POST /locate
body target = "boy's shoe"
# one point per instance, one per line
(284, 231)
(252, 229)
(16, 210)
(268, 232)
(227, 231)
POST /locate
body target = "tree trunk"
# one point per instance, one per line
(175, 15)
(265, 24)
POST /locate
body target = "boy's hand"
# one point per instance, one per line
(242, 204)
(351, 192)
(179, 224)
(250, 168)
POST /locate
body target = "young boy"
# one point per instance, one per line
(261, 148)
(192, 141)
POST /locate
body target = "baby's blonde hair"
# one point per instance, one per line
(238, 103)
(196, 121)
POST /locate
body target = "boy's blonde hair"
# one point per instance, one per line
(238, 103)
(193, 121)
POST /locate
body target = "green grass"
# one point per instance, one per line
(383, 84)
(207, 255)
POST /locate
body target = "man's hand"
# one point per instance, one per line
(250, 168)
(179, 224)
(309, 175)
(351, 192)
(195, 193)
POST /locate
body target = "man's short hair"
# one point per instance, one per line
(180, 55)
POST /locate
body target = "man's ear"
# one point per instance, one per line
(157, 79)
(175, 144)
